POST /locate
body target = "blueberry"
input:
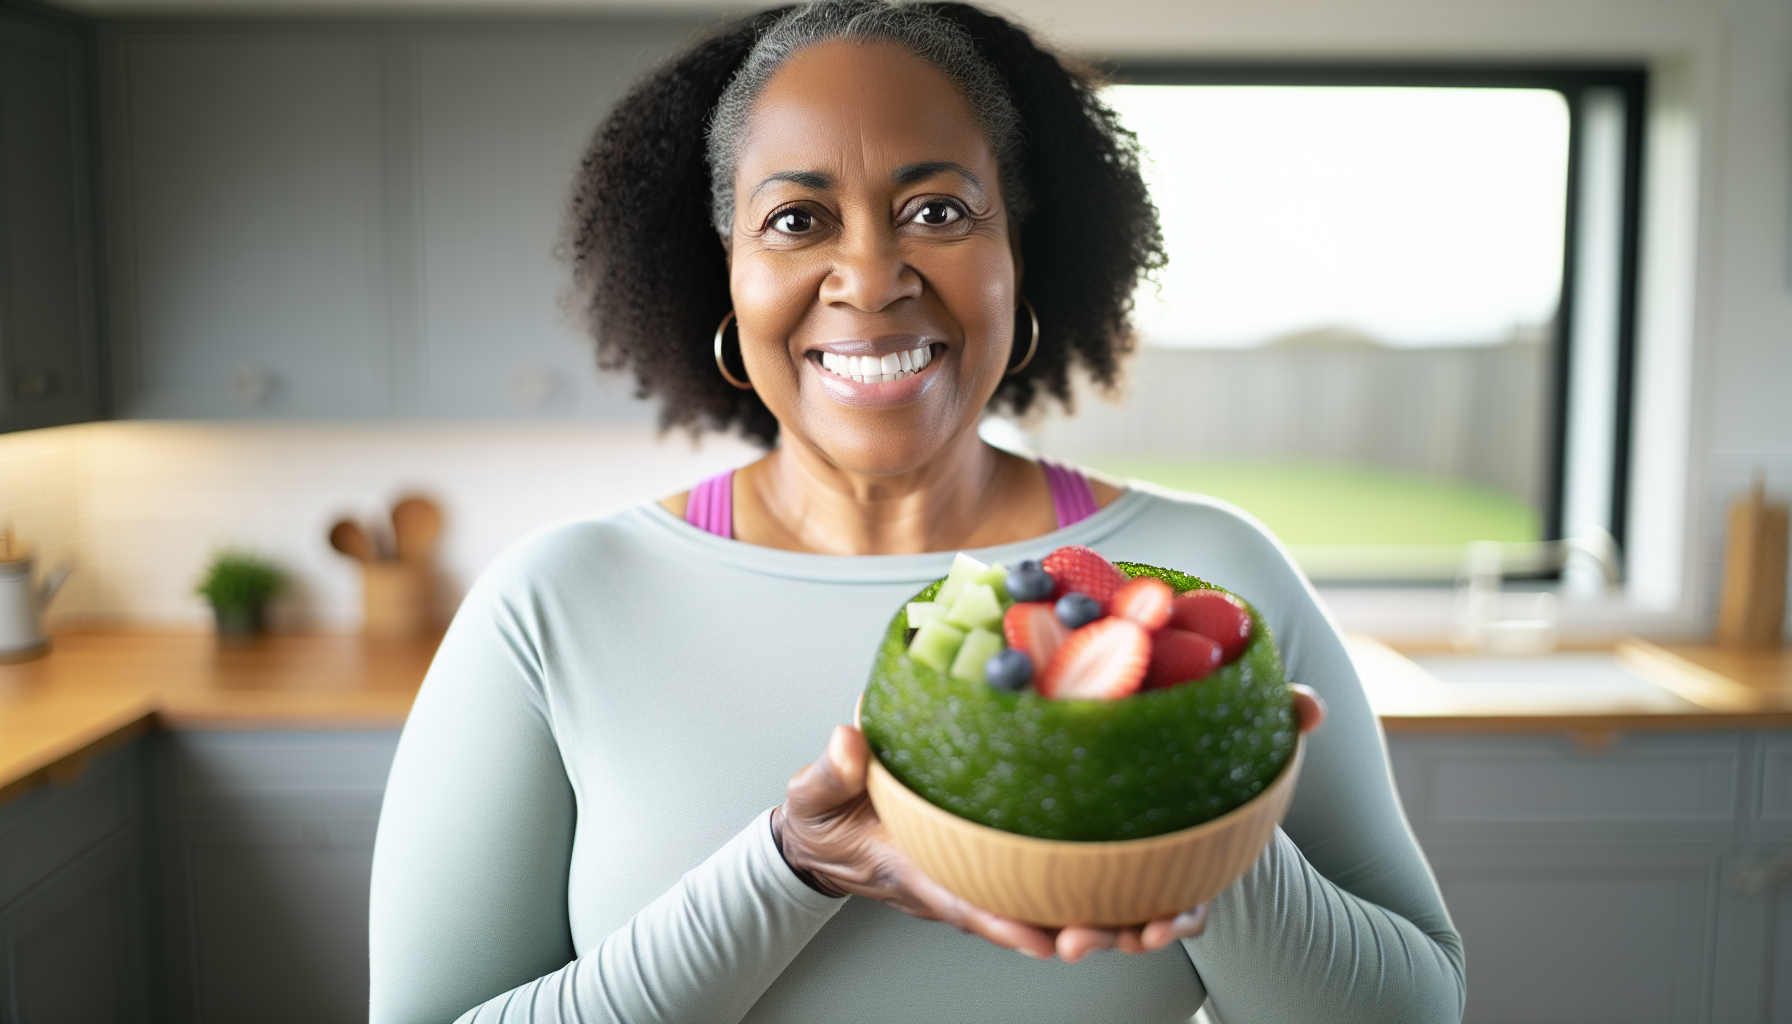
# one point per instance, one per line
(1077, 609)
(1008, 669)
(1030, 583)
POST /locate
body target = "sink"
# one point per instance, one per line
(1558, 683)
(1560, 678)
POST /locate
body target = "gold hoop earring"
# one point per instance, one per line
(729, 377)
(1032, 346)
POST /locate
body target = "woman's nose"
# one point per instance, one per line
(869, 273)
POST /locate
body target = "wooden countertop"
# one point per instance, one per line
(98, 689)
(1672, 687)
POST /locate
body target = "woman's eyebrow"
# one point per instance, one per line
(808, 179)
(908, 174)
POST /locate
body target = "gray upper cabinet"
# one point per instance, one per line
(501, 122)
(49, 366)
(353, 220)
(247, 223)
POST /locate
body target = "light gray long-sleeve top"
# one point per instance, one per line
(576, 827)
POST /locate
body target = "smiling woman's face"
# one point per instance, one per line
(869, 224)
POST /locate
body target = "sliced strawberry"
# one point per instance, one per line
(1080, 569)
(1033, 627)
(1215, 614)
(1104, 660)
(1179, 656)
(1144, 600)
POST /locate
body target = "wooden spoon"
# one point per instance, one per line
(349, 538)
(416, 525)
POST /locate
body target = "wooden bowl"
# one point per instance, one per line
(1054, 883)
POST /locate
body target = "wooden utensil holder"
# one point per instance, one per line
(1753, 606)
(399, 599)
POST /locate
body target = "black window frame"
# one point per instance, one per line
(1573, 82)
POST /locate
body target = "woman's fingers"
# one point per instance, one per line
(1309, 709)
(1078, 941)
(834, 779)
(1165, 930)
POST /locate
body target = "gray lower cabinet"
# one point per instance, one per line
(223, 876)
(1643, 881)
(77, 900)
(49, 349)
(267, 845)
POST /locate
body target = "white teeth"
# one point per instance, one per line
(878, 369)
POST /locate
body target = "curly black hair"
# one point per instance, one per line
(652, 299)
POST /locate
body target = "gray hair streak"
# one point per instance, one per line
(933, 38)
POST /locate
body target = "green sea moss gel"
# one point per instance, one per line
(1090, 770)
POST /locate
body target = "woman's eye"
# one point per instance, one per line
(937, 213)
(793, 222)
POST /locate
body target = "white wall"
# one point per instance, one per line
(140, 507)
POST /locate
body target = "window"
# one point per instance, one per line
(1397, 316)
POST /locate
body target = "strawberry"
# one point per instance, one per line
(1104, 660)
(1144, 600)
(1079, 569)
(1214, 614)
(1179, 656)
(1033, 627)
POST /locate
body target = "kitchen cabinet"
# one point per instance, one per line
(345, 219)
(1631, 878)
(248, 261)
(267, 848)
(49, 340)
(76, 903)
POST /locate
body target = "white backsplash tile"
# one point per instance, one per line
(140, 506)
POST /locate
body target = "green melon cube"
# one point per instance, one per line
(965, 570)
(921, 611)
(973, 654)
(977, 607)
(996, 578)
(935, 644)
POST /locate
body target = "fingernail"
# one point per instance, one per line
(1024, 951)
(1190, 918)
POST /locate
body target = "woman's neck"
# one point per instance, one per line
(970, 495)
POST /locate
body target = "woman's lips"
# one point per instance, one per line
(861, 380)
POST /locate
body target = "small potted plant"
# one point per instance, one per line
(239, 585)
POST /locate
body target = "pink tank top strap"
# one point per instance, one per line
(1072, 494)
(711, 507)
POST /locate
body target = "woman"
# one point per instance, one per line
(899, 216)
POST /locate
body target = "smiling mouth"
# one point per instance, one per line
(878, 369)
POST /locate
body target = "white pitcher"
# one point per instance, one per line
(23, 599)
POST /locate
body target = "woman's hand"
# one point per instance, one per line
(831, 836)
